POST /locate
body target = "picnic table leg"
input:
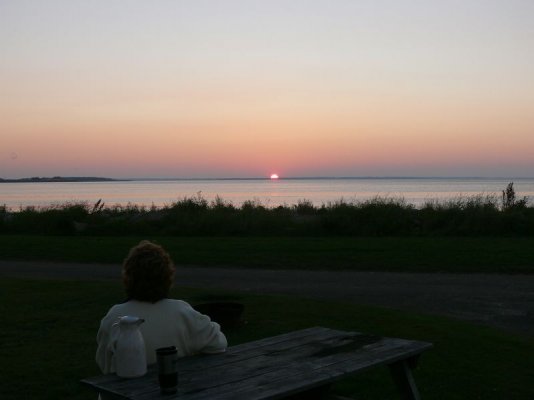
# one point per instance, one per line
(401, 372)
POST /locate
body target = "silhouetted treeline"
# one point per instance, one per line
(59, 179)
(473, 216)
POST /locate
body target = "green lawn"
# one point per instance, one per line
(47, 342)
(418, 254)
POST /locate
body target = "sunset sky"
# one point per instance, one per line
(248, 88)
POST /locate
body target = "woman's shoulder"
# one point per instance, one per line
(115, 311)
(163, 307)
(181, 309)
(176, 304)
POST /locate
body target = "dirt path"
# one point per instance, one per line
(502, 301)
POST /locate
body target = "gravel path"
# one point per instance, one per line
(502, 301)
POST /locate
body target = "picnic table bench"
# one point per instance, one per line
(276, 367)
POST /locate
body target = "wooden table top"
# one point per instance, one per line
(269, 368)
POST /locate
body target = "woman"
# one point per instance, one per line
(148, 274)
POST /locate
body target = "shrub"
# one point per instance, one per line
(379, 216)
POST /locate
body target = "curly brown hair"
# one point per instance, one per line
(147, 272)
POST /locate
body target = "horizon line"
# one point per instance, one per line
(321, 177)
(365, 177)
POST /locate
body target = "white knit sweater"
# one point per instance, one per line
(168, 322)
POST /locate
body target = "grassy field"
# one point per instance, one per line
(47, 342)
(418, 254)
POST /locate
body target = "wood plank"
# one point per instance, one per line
(290, 381)
(234, 355)
(301, 333)
(240, 385)
(275, 357)
(251, 349)
(259, 362)
(304, 375)
(270, 368)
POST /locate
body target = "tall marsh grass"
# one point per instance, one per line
(379, 216)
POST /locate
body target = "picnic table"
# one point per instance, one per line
(302, 361)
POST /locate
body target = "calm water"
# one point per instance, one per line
(270, 193)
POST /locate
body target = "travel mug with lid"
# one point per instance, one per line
(167, 369)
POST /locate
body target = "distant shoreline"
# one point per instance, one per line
(61, 179)
(81, 179)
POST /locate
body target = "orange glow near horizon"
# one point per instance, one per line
(432, 90)
(274, 177)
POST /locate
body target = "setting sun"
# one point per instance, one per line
(274, 176)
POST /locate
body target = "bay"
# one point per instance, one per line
(270, 193)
